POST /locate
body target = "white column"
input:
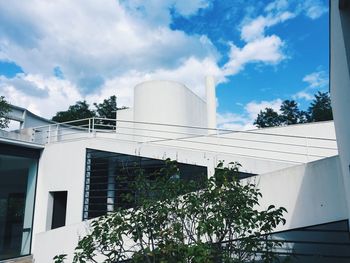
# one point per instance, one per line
(340, 88)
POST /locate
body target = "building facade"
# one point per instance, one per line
(55, 177)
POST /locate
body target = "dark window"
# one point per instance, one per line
(13, 150)
(18, 172)
(109, 175)
(242, 175)
(324, 243)
(59, 209)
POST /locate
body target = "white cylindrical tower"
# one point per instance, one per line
(167, 106)
(211, 104)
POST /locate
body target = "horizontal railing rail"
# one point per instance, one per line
(251, 143)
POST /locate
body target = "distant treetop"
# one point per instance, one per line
(320, 109)
(81, 110)
(4, 109)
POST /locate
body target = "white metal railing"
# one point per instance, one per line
(19, 135)
(246, 143)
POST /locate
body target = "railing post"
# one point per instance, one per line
(49, 136)
(89, 129)
(33, 134)
(57, 131)
(93, 126)
(307, 149)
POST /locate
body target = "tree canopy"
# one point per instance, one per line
(173, 221)
(268, 118)
(80, 110)
(4, 109)
(320, 110)
(108, 108)
(290, 113)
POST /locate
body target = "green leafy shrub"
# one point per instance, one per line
(172, 221)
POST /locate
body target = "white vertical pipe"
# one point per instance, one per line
(211, 104)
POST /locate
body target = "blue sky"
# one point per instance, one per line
(260, 52)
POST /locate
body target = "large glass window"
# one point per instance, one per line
(18, 171)
(108, 178)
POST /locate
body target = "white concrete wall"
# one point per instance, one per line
(293, 144)
(321, 129)
(61, 240)
(26, 118)
(312, 193)
(62, 168)
(62, 164)
(340, 87)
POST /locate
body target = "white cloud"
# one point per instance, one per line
(106, 49)
(256, 27)
(245, 121)
(317, 80)
(59, 94)
(259, 47)
(99, 49)
(158, 11)
(92, 42)
(253, 108)
(233, 122)
(313, 8)
(277, 5)
(277, 12)
(267, 50)
(188, 8)
(228, 117)
(303, 95)
(191, 73)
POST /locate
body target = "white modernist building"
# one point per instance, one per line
(55, 177)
